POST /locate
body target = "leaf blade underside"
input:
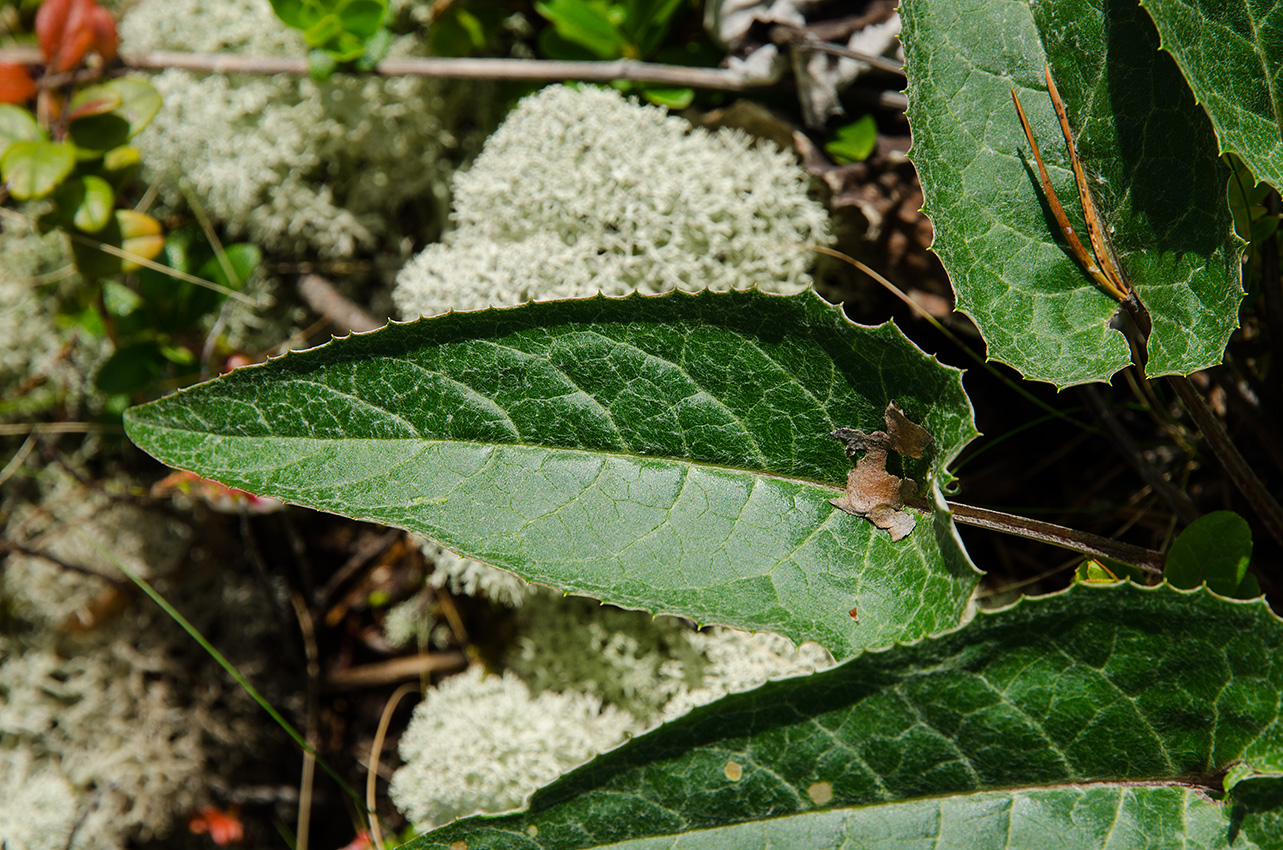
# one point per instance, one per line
(669, 453)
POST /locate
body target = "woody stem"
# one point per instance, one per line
(1149, 560)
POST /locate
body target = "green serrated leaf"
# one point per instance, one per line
(1098, 717)
(1231, 54)
(1216, 548)
(1150, 154)
(34, 169)
(668, 453)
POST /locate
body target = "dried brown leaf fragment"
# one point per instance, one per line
(871, 491)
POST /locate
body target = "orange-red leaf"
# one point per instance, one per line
(16, 85)
(66, 29)
(223, 827)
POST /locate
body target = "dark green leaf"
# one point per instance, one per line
(299, 14)
(363, 18)
(1232, 56)
(587, 24)
(34, 169)
(1092, 717)
(668, 453)
(240, 260)
(1216, 548)
(1150, 154)
(17, 125)
(139, 103)
(131, 368)
(853, 142)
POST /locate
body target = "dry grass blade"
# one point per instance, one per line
(1072, 241)
(1095, 229)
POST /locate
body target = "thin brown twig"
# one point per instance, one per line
(1234, 464)
(1149, 560)
(451, 68)
(394, 670)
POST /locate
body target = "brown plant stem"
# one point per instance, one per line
(1235, 466)
(433, 66)
(1149, 560)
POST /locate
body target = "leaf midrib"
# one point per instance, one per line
(630, 456)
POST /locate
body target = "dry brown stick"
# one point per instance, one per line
(1234, 464)
(342, 312)
(450, 68)
(1149, 560)
(394, 670)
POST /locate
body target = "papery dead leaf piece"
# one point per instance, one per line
(871, 491)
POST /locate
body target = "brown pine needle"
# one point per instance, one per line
(1095, 229)
(1074, 244)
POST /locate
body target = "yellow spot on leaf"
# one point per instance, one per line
(734, 771)
(459, 845)
(532, 830)
(820, 793)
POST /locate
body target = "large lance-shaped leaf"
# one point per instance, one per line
(1231, 52)
(670, 453)
(1100, 717)
(1152, 162)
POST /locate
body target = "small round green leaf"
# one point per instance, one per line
(88, 200)
(34, 169)
(363, 18)
(139, 103)
(17, 125)
(1216, 549)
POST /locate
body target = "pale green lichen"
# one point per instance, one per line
(583, 677)
(121, 724)
(42, 364)
(294, 165)
(583, 191)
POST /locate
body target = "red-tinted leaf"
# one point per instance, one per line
(66, 29)
(223, 827)
(16, 85)
(104, 30)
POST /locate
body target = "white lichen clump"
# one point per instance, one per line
(583, 678)
(583, 191)
(483, 742)
(101, 728)
(293, 165)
